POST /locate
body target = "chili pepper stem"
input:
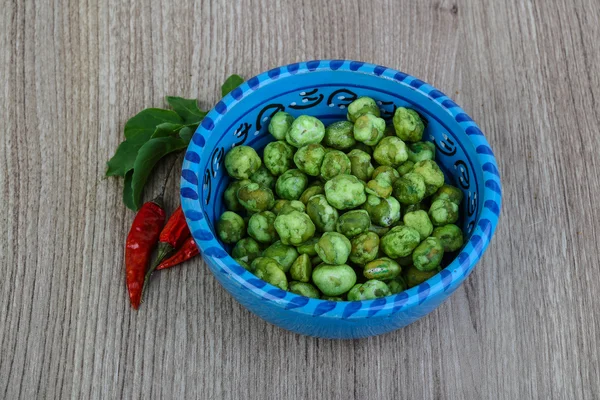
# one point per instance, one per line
(164, 249)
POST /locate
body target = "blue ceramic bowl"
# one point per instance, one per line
(323, 89)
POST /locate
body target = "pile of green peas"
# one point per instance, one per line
(353, 211)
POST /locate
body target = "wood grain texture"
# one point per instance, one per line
(524, 325)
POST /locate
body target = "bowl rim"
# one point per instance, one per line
(452, 275)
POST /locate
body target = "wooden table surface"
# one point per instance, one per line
(526, 324)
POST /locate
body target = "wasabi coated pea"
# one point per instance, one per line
(260, 227)
(291, 184)
(408, 124)
(420, 151)
(301, 269)
(243, 263)
(389, 130)
(448, 192)
(405, 261)
(360, 164)
(278, 205)
(396, 285)
(284, 254)
(353, 223)
(362, 147)
(450, 236)
(382, 269)
(345, 192)
(332, 298)
(339, 135)
(322, 214)
(241, 162)
(333, 248)
(383, 212)
(308, 247)
(334, 280)
(246, 249)
(414, 277)
(263, 177)
(280, 124)
(362, 106)
(368, 129)
(379, 187)
(231, 227)
(270, 271)
(305, 130)
(304, 289)
(410, 188)
(278, 157)
(311, 191)
(443, 212)
(385, 172)
(369, 290)
(378, 230)
(400, 241)
(390, 151)
(364, 248)
(292, 205)
(335, 163)
(432, 175)
(309, 158)
(294, 228)
(405, 168)
(419, 220)
(230, 195)
(316, 260)
(428, 255)
(416, 207)
(255, 198)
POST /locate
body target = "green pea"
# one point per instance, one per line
(311, 191)
(280, 124)
(362, 106)
(400, 241)
(385, 173)
(405, 168)
(420, 221)
(309, 158)
(340, 135)
(410, 188)
(345, 192)
(333, 248)
(448, 192)
(432, 175)
(408, 125)
(292, 205)
(364, 248)
(263, 177)
(294, 228)
(278, 157)
(383, 212)
(428, 255)
(322, 214)
(304, 289)
(390, 151)
(369, 290)
(241, 162)
(243, 263)
(443, 212)
(368, 129)
(360, 164)
(231, 227)
(305, 130)
(301, 269)
(353, 223)
(450, 235)
(382, 269)
(269, 271)
(335, 163)
(284, 254)
(308, 247)
(396, 285)
(260, 227)
(255, 198)
(291, 184)
(334, 280)
(420, 151)
(230, 195)
(246, 249)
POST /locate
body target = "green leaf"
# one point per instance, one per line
(187, 109)
(148, 155)
(187, 132)
(123, 159)
(139, 128)
(231, 83)
(128, 192)
(166, 129)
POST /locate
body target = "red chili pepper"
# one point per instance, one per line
(141, 240)
(188, 250)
